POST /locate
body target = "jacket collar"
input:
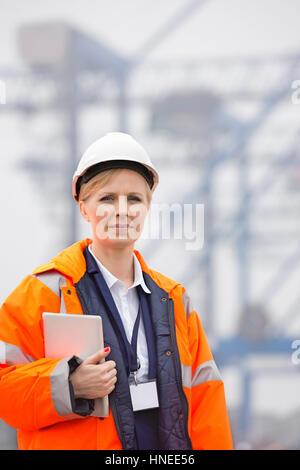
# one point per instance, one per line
(71, 262)
(110, 279)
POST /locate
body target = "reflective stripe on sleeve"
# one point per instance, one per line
(208, 371)
(13, 355)
(186, 373)
(187, 304)
(54, 281)
(60, 391)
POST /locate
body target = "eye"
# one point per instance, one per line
(132, 198)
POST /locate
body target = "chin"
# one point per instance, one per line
(116, 241)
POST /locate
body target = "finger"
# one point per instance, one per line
(108, 378)
(110, 365)
(110, 375)
(110, 389)
(98, 356)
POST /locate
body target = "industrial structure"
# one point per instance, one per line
(226, 134)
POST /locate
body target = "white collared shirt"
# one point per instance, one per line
(127, 303)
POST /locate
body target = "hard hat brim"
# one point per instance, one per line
(127, 163)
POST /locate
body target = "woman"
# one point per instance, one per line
(155, 346)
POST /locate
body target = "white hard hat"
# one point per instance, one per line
(114, 150)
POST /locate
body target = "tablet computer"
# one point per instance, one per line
(67, 334)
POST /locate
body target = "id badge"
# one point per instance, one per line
(144, 395)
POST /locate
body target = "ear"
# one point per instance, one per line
(83, 211)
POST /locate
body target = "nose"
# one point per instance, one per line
(122, 207)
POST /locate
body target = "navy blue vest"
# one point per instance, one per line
(146, 421)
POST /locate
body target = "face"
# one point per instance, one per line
(118, 209)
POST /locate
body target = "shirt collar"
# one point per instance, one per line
(110, 279)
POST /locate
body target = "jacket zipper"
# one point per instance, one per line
(176, 358)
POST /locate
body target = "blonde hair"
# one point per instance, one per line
(100, 180)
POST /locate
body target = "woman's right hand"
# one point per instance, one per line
(94, 380)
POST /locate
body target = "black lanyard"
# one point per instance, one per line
(132, 347)
(129, 350)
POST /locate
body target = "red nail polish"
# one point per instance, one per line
(106, 349)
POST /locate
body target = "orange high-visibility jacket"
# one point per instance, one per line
(34, 390)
